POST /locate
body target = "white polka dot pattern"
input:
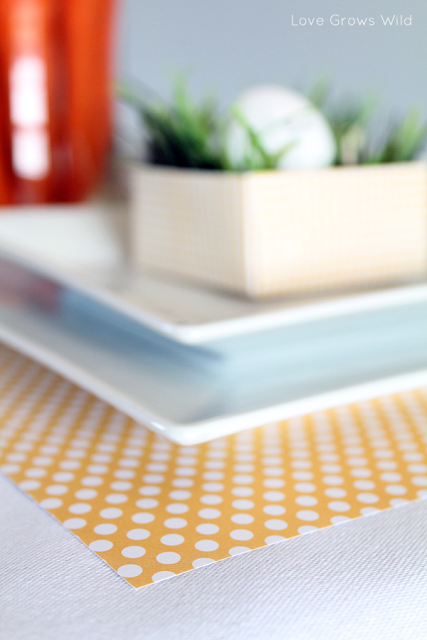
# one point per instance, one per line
(153, 510)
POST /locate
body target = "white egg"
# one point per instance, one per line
(281, 117)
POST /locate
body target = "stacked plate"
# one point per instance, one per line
(190, 363)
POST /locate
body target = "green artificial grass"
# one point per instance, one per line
(351, 123)
(184, 133)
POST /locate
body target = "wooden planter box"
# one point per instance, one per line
(276, 232)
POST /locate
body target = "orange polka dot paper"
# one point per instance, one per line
(152, 509)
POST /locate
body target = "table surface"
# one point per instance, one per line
(363, 579)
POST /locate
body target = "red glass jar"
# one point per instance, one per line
(55, 123)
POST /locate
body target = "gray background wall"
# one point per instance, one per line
(228, 45)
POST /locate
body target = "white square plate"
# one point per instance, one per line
(193, 364)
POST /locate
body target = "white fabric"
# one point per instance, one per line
(365, 579)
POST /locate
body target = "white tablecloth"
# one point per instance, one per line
(366, 580)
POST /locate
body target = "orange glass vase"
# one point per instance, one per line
(55, 112)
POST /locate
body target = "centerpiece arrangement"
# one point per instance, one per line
(282, 194)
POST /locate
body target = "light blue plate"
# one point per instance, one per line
(196, 393)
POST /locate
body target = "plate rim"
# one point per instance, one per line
(204, 431)
(207, 332)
